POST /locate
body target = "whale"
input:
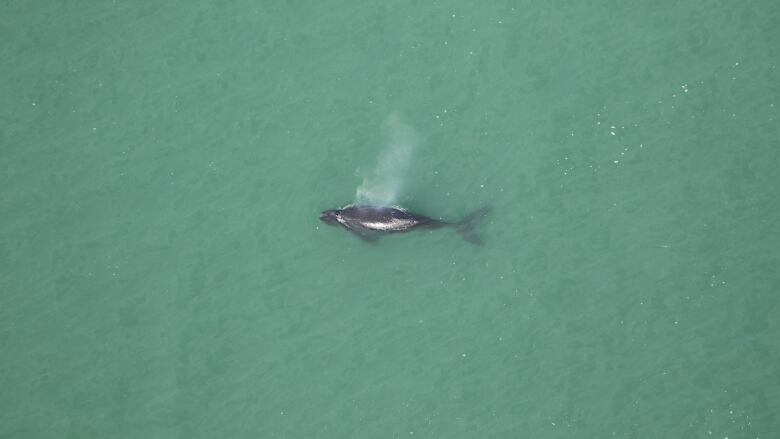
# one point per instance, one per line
(369, 222)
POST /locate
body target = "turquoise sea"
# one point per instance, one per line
(164, 273)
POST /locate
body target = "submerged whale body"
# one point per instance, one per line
(368, 222)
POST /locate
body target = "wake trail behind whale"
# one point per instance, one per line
(383, 185)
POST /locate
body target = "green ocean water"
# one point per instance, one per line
(164, 274)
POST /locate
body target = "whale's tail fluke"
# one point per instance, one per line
(467, 227)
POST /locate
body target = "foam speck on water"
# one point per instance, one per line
(383, 185)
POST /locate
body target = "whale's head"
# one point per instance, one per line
(330, 216)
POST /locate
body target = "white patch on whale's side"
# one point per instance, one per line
(392, 224)
(383, 185)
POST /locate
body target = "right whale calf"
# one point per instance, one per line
(369, 221)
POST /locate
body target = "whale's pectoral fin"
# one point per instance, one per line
(371, 239)
(365, 235)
